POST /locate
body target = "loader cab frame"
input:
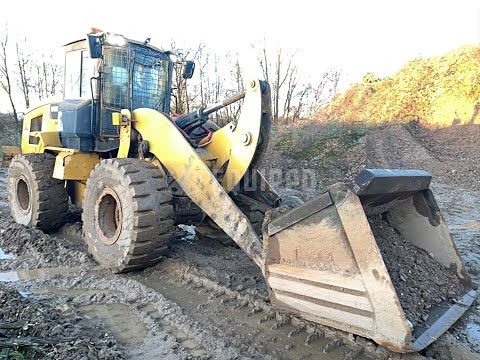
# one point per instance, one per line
(104, 74)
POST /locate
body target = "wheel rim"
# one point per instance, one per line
(23, 195)
(108, 217)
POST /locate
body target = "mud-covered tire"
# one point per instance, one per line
(210, 230)
(255, 215)
(128, 216)
(291, 202)
(36, 199)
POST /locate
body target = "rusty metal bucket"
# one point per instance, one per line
(323, 264)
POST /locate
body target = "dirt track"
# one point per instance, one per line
(206, 300)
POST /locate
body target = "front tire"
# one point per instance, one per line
(36, 198)
(128, 216)
(255, 215)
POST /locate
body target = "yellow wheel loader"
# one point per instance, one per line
(111, 148)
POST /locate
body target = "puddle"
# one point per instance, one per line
(22, 274)
(127, 327)
(473, 333)
(471, 225)
(4, 255)
(190, 344)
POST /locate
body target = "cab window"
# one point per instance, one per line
(79, 69)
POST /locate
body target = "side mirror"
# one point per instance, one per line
(188, 69)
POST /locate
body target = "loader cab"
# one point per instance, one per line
(106, 73)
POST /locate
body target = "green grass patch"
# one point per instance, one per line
(324, 145)
(316, 139)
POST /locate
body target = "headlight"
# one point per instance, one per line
(115, 40)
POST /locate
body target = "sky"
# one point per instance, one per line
(354, 36)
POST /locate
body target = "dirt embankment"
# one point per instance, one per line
(450, 154)
(304, 160)
(442, 90)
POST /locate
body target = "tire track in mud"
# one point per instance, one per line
(184, 318)
(248, 320)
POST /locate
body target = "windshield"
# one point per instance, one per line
(150, 78)
(150, 85)
(133, 77)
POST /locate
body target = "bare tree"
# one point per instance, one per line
(291, 86)
(263, 61)
(57, 82)
(183, 98)
(238, 81)
(201, 65)
(47, 77)
(23, 65)
(280, 78)
(179, 84)
(5, 77)
(283, 69)
(302, 97)
(325, 90)
(334, 79)
(319, 93)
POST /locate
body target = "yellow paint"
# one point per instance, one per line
(237, 143)
(74, 166)
(48, 138)
(47, 135)
(175, 153)
(116, 118)
(124, 120)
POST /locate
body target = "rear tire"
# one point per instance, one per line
(128, 216)
(36, 199)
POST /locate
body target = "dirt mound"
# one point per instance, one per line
(304, 160)
(441, 90)
(25, 321)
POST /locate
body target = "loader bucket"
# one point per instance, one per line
(323, 262)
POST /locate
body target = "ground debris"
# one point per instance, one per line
(36, 325)
(420, 281)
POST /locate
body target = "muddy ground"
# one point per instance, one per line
(206, 300)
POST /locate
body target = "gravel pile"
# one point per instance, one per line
(419, 280)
